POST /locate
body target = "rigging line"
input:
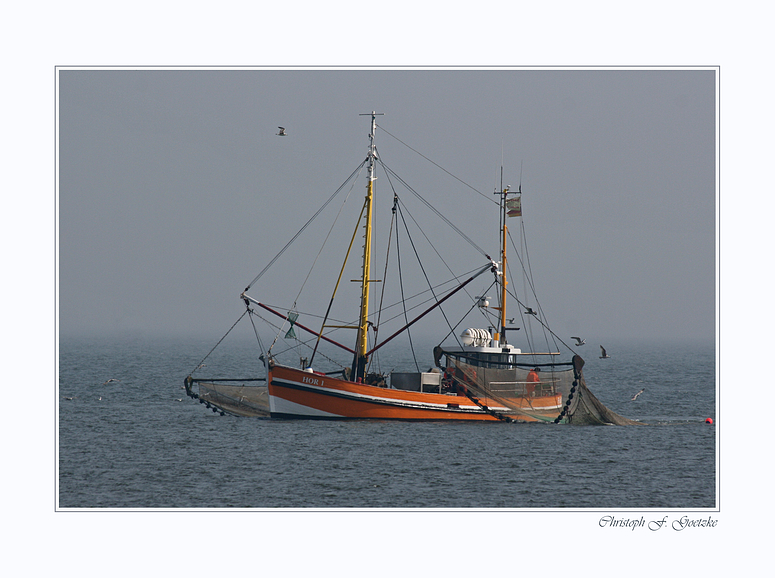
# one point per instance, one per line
(297, 324)
(385, 274)
(405, 208)
(435, 210)
(528, 278)
(414, 248)
(455, 279)
(292, 347)
(260, 345)
(408, 212)
(540, 310)
(544, 325)
(437, 165)
(452, 331)
(458, 287)
(525, 322)
(312, 267)
(526, 270)
(320, 210)
(401, 282)
(411, 241)
(437, 304)
(198, 365)
(413, 307)
(528, 274)
(308, 314)
(393, 221)
(323, 244)
(338, 281)
(529, 271)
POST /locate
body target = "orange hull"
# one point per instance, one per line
(294, 393)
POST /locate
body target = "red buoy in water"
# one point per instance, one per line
(708, 420)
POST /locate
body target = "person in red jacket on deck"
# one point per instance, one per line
(532, 380)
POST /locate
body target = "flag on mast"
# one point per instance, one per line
(514, 207)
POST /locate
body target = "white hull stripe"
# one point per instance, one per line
(280, 406)
(381, 400)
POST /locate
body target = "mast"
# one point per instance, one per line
(500, 336)
(362, 343)
(504, 279)
(508, 208)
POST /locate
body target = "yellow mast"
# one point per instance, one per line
(500, 335)
(504, 282)
(362, 344)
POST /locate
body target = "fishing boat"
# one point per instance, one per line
(477, 374)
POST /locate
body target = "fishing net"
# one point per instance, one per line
(555, 392)
(243, 400)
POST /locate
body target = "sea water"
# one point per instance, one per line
(139, 442)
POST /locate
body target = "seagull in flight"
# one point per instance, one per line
(282, 131)
(579, 341)
(634, 397)
(604, 354)
(111, 380)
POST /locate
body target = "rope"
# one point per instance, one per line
(402, 207)
(484, 407)
(219, 342)
(255, 330)
(384, 275)
(320, 210)
(452, 330)
(293, 348)
(401, 283)
(323, 244)
(315, 260)
(528, 275)
(438, 166)
(414, 248)
(428, 300)
(436, 211)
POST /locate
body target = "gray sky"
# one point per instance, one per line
(146, 268)
(174, 191)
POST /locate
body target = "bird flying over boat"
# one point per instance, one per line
(579, 341)
(634, 397)
(282, 131)
(604, 354)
